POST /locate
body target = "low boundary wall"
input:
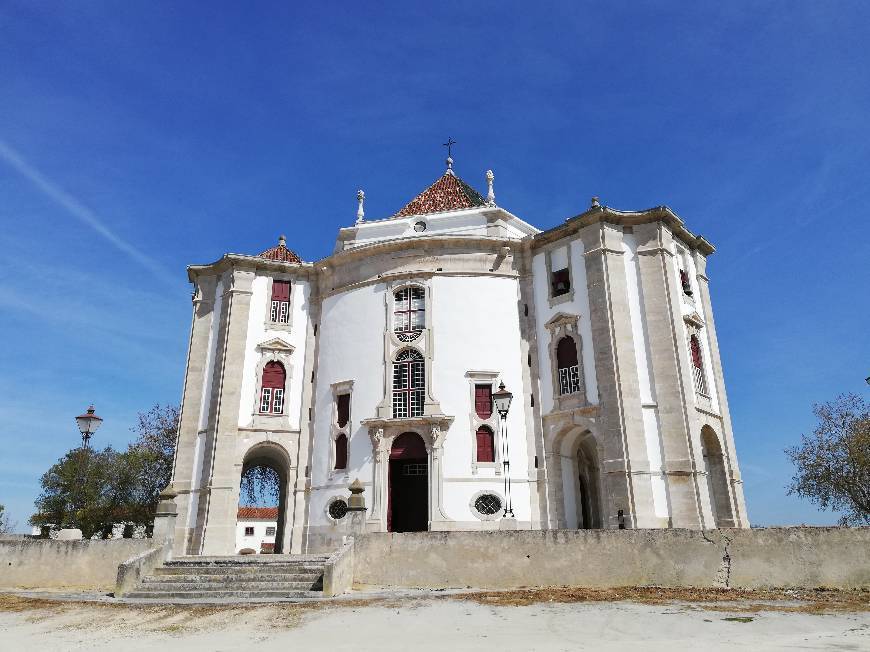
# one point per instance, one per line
(738, 558)
(48, 563)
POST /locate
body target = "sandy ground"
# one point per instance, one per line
(506, 621)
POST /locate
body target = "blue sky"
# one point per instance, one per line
(139, 137)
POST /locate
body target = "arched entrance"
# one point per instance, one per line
(717, 478)
(408, 497)
(266, 466)
(588, 499)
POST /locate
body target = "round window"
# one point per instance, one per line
(487, 504)
(419, 226)
(338, 509)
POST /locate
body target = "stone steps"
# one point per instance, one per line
(165, 596)
(234, 570)
(249, 577)
(147, 586)
(168, 578)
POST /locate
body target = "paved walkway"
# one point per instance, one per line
(425, 623)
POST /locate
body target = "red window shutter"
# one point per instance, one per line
(280, 290)
(343, 409)
(566, 353)
(341, 452)
(696, 352)
(483, 401)
(485, 452)
(274, 375)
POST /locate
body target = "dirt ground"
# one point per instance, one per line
(538, 619)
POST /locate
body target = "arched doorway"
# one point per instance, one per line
(588, 498)
(263, 486)
(408, 502)
(717, 478)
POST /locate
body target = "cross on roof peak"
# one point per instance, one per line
(449, 145)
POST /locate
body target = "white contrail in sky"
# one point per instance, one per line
(79, 211)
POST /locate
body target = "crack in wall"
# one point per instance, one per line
(723, 574)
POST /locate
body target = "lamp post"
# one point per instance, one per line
(88, 424)
(501, 401)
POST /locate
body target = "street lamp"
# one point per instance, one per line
(501, 401)
(88, 424)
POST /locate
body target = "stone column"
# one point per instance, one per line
(191, 404)
(219, 503)
(671, 372)
(735, 481)
(377, 521)
(436, 478)
(621, 418)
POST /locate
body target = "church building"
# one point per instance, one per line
(379, 363)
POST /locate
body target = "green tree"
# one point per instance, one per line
(833, 463)
(148, 461)
(86, 489)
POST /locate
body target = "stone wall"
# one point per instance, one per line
(738, 558)
(46, 563)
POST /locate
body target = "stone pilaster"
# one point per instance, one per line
(671, 373)
(621, 419)
(299, 480)
(219, 501)
(735, 481)
(191, 405)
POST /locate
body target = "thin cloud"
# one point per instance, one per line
(79, 211)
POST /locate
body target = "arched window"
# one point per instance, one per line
(485, 445)
(409, 313)
(409, 384)
(341, 452)
(272, 396)
(697, 365)
(567, 363)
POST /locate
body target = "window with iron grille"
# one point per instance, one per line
(409, 313)
(485, 445)
(337, 509)
(560, 282)
(483, 401)
(697, 365)
(409, 384)
(568, 366)
(249, 531)
(280, 311)
(487, 504)
(270, 530)
(272, 393)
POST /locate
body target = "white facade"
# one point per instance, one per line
(255, 534)
(601, 327)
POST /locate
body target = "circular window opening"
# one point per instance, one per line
(338, 509)
(419, 226)
(488, 504)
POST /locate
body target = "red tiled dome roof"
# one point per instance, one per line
(449, 193)
(259, 513)
(281, 253)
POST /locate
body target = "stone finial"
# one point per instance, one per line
(449, 162)
(490, 195)
(595, 203)
(357, 501)
(282, 241)
(360, 213)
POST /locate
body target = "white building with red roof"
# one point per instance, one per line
(379, 363)
(256, 528)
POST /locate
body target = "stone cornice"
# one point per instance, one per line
(605, 214)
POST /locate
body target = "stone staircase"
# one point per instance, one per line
(249, 577)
